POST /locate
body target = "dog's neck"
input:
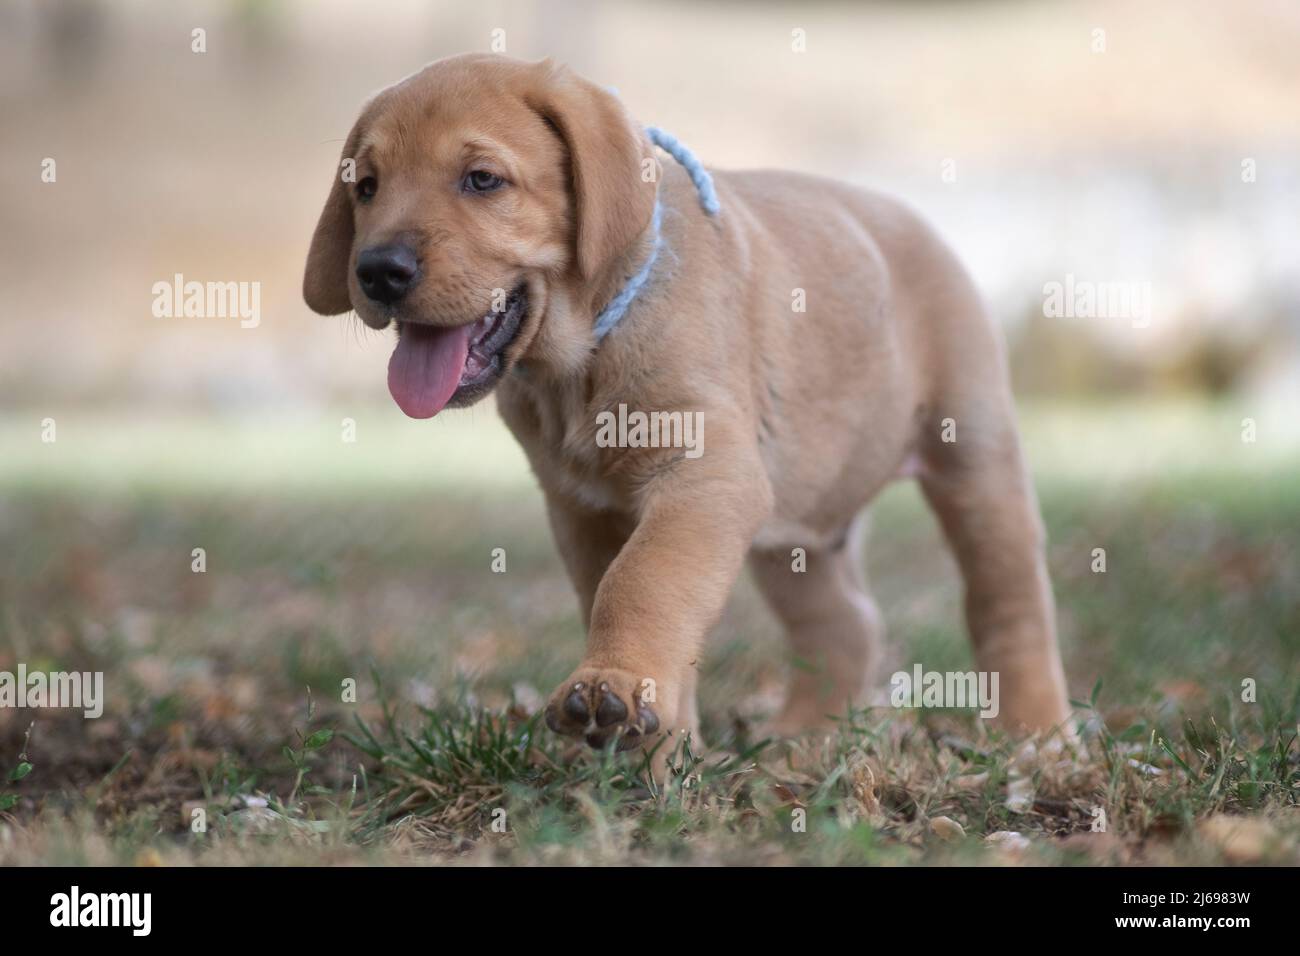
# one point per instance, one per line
(632, 273)
(624, 281)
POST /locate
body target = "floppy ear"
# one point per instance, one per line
(606, 153)
(325, 285)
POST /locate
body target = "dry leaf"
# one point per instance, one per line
(1008, 840)
(972, 781)
(863, 782)
(1020, 794)
(947, 829)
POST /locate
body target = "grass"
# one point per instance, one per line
(348, 681)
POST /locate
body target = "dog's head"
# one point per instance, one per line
(473, 200)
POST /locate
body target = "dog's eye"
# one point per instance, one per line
(481, 181)
(367, 188)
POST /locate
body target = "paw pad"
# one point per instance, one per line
(611, 709)
(575, 705)
(594, 710)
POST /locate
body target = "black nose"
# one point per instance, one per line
(386, 272)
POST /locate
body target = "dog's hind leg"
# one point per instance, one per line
(834, 628)
(979, 487)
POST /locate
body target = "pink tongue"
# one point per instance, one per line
(426, 367)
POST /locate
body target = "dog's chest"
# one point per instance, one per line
(559, 435)
(577, 474)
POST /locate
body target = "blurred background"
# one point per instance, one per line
(1036, 155)
(1154, 143)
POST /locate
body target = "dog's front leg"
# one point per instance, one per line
(658, 600)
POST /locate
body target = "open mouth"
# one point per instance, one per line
(436, 366)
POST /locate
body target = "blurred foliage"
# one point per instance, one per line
(1070, 359)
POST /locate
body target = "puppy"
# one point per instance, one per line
(824, 337)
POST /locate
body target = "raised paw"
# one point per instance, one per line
(600, 704)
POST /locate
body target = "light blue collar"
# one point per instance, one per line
(617, 307)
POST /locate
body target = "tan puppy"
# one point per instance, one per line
(498, 206)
